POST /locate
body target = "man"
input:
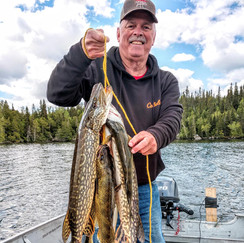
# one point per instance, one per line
(149, 95)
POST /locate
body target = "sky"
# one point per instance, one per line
(200, 41)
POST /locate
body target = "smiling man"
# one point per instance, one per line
(149, 95)
(136, 36)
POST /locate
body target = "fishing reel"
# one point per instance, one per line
(169, 199)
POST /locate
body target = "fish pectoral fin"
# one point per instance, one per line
(66, 228)
(90, 227)
(117, 188)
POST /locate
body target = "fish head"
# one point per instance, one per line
(97, 108)
(103, 161)
(102, 156)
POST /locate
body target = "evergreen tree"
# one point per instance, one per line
(235, 129)
(43, 109)
(229, 98)
(2, 123)
(240, 114)
(236, 98)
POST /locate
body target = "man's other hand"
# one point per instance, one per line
(144, 143)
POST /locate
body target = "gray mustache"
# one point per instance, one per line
(138, 38)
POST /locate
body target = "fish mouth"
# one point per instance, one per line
(108, 94)
(107, 97)
(108, 90)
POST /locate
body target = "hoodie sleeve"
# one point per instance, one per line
(68, 82)
(167, 126)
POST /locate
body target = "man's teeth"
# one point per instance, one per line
(137, 42)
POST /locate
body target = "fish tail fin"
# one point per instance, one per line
(89, 239)
(66, 228)
(120, 235)
(141, 235)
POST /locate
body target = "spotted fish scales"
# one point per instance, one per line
(104, 196)
(83, 172)
(127, 199)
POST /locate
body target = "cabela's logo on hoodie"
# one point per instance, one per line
(151, 105)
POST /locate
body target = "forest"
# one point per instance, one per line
(205, 116)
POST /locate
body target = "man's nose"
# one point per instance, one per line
(138, 31)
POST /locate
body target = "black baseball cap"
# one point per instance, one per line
(135, 5)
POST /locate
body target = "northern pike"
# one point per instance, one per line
(126, 186)
(83, 172)
(137, 231)
(121, 198)
(104, 196)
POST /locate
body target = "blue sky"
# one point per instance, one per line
(200, 41)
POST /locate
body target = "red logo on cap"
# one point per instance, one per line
(141, 3)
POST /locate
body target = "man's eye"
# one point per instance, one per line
(147, 27)
(130, 26)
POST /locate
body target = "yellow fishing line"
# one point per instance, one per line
(106, 82)
(84, 45)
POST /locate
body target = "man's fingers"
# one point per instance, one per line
(103, 36)
(140, 147)
(94, 43)
(96, 36)
(100, 30)
(144, 143)
(136, 139)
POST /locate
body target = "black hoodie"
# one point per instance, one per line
(151, 102)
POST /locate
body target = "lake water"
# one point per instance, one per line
(34, 180)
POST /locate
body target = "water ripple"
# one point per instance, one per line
(196, 166)
(34, 181)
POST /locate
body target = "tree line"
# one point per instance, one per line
(43, 124)
(211, 116)
(205, 116)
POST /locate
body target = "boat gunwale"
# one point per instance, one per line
(166, 235)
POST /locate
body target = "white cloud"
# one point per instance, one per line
(183, 57)
(213, 25)
(32, 42)
(102, 8)
(12, 65)
(170, 26)
(234, 77)
(185, 79)
(212, 28)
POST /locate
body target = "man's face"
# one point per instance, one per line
(136, 36)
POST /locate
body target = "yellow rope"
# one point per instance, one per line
(106, 82)
(150, 207)
(84, 45)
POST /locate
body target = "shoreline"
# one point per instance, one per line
(177, 140)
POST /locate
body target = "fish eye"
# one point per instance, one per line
(94, 104)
